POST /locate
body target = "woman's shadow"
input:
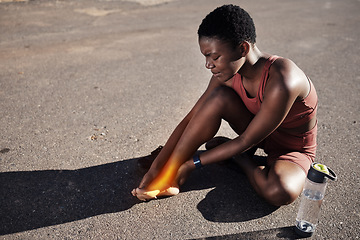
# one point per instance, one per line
(232, 198)
(35, 199)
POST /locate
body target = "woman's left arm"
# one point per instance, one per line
(282, 89)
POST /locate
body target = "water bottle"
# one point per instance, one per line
(311, 198)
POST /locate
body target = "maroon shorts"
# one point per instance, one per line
(297, 148)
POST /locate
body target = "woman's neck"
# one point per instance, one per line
(250, 69)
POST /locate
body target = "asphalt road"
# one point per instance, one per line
(86, 87)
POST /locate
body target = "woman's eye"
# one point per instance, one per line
(216, 58)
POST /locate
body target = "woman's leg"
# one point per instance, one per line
(224, 103)
(282, 181)
(279, 184)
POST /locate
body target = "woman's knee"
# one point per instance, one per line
(228, 104)
(223, 94)
(279, 195)
(226, 99)
(285, 183)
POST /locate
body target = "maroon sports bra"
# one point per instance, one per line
(301, 112)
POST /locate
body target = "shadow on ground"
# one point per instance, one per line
(35, 199)
(232, 199)
(281, 233)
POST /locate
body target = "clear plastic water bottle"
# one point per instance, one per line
(311, 199)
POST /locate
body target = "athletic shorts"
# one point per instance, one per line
(297, 148)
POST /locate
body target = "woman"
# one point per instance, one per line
(267, 100)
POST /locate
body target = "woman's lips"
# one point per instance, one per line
(216, 74)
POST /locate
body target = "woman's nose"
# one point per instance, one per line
(209, 65)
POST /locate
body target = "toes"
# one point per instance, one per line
(133, 192)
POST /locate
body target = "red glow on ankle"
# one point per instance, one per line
(166, 177)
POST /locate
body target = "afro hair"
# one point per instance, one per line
(229, 23)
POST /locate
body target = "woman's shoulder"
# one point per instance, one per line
(284, 64)
(285, 69)
(285, 72)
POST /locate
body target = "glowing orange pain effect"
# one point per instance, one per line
(165, 179)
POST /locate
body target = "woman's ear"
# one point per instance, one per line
(244, 48)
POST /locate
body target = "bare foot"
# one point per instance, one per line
(144, 195)
(182, 174)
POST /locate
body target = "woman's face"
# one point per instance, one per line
(221, 58)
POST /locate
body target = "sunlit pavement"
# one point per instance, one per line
(87, 87)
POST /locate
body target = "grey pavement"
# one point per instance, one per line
(87, 87)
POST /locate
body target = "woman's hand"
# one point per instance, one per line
(184, 171)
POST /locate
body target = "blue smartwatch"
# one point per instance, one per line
(197, 161)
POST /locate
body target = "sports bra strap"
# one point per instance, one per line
(265, 75)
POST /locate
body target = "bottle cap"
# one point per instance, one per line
(319, 173)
